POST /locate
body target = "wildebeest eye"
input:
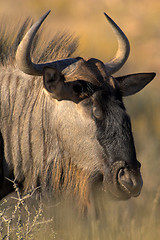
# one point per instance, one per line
(97, 112)
(77, 88)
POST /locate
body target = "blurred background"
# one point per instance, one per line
(140, 20)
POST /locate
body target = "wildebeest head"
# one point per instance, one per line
(92, 124)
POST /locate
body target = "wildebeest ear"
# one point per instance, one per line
(131, 84)
(54, 83)
(51, 78)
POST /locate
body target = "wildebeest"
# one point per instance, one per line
(68, 129)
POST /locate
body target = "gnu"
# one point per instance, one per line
(64, 126)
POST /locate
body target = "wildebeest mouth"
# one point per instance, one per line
(122, 182)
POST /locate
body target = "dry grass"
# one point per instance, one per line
(20, 217)
(26, 219)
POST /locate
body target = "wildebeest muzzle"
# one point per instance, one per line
(122, 181)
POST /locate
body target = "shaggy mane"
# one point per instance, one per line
(61, 45)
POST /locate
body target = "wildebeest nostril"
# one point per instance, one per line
(125, 180)
(130, 182)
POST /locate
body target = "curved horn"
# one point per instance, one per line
(123, 49)
(23, 58)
